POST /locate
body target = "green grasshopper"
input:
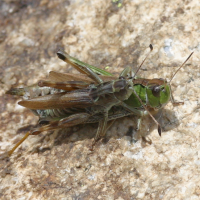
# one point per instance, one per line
(66, 100)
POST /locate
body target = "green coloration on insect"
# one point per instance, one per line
(66, 100)
(81, 66)
(155, 93)
(153, 96)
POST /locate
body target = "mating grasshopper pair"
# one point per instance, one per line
(67, 100)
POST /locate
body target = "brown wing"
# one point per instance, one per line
(67, 85)
(77, 98)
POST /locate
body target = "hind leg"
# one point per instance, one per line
(63, 123)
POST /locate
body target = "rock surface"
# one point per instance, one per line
(117, 34)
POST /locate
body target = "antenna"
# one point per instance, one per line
(151, 48)
(180, 67)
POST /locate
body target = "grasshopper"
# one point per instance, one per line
(67, 100)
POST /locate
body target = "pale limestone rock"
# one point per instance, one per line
(101, 33)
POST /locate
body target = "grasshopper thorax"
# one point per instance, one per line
(119, 89)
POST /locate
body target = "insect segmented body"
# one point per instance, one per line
(66, 100)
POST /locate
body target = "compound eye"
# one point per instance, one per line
(156, 91)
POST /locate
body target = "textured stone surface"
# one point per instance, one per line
(103, 33)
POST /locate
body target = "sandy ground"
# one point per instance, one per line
(59, 165)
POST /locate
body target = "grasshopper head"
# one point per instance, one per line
(158, 93)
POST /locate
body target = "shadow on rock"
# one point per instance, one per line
(166, 118)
